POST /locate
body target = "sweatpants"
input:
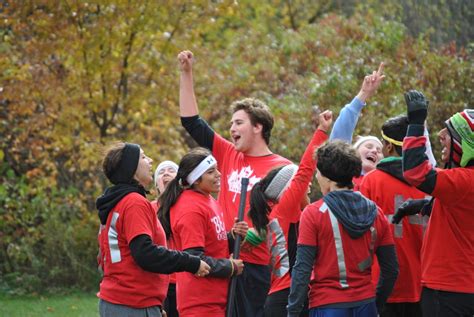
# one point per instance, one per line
(436, 303)
(275, 305)
(364, 310)
(401, 310)
(170, 301)
(108, 309)
(251, 290)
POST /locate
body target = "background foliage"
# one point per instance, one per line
(77, 75)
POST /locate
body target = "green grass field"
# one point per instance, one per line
(71, 305)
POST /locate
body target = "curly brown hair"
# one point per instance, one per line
(258, 112)
(339, 162)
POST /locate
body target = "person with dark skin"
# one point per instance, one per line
(448, 244)
(133, 253)
(193, 219)
(388, 189)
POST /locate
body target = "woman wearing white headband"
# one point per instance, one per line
(133, 254)
(193, 219)
(165, 172)
(369, 147)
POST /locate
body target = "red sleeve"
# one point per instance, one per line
(289, 206)
(384, 232)
(220, 148)
(451, 185)
(137, 219)
(191, 228)
(308, 229)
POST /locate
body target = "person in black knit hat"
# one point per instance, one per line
(133, 253)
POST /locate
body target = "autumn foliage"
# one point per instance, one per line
(78, 75)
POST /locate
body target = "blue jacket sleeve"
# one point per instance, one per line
(301, 274)
(346, 121)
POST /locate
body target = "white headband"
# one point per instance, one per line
(163, 165)
(206, 164)
(362, 139)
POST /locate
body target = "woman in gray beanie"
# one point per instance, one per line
(275, 205)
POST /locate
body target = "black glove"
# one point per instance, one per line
(409, 207)
(426, 209)
(417, 107)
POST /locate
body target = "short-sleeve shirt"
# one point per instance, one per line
(124, 282)
(233, 166)
(196, 223)
(341, 271)
(389, 193)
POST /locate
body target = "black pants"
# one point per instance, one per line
(275, 305)
(401, 310)
(170, 301)
(251, 290)
(435, 303)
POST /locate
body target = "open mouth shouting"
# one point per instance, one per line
(235, 138)
(372, 158)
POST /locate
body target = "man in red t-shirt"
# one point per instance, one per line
(339, 235)
(447, 254)
(248, 155)
(388, 189)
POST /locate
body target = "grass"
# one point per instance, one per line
(71, 305)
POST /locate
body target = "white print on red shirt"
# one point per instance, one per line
(220, 228)
(235, 177)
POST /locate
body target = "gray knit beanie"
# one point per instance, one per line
(280, 182)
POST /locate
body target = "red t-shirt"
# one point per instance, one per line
(389, 193)
(124, 282)
(196, 222)
(447, 255)
(170, 241)
(234, 165)
(328, 285)
(288, 211)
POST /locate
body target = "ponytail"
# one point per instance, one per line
(174, 189)
(259, 208)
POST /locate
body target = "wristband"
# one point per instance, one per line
(232, 268)
(253, 238)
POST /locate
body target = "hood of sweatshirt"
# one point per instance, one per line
(393, 166)
(112, 196)
(353, 211)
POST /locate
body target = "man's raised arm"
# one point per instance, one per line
(199, 130)
(187, 100)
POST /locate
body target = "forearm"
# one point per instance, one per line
(388, 263)
(158, 259)
(187, 100)
(307, 160)
(346, 122)
(417, 169)
(301, 274)
(222, 268)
